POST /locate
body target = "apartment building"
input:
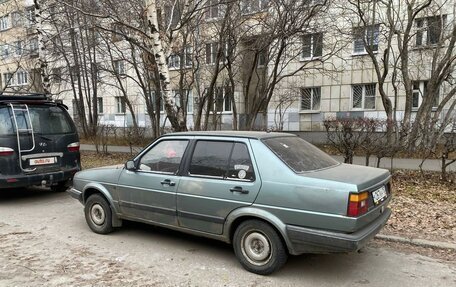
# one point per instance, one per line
(327, 71)
(18, 47)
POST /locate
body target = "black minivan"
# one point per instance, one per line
(39, 143)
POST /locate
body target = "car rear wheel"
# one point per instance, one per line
(259, 248)
(98, 214)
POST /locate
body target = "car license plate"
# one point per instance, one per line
(379, 195)
(42, 161)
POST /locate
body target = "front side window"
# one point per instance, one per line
(310, 99)
(363, 97)
(366, 38)
(223, 160)
(298, 154)
(164, 157)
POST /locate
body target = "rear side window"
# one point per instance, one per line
(6, 125)
(299, 155)
(45, 120)
(222, 160)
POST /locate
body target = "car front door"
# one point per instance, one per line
(149, 192)
(220, 177)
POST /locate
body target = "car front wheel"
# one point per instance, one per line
(98, 214)
(259, 248)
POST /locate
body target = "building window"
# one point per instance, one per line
(363, 96)
(188, 97)
(19, 45)
(153, 98)
(310, 99)
(119, 67)
(419, 93)
(22, 77)
(8, 79)
(429, 30)
(56, 75)
(215, 9)
(4, 51)
(222, 101)
(4, 23)
(33, 46)
(262, 58)
(100, 106)
(121, 106)
(30, 16)
(312, 46)
(249, 6)
(174, 60)
(211, 53)
(366, 37)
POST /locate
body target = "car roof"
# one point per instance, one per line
(238, 134)
(40, 98)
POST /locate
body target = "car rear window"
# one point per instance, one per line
(299, 155)
(45, 120)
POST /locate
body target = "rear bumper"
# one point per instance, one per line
(308, 240)
(23, 180)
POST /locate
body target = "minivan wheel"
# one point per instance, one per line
(61, 186)
(98, 214)
(259, 248)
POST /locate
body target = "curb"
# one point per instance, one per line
(417, 242)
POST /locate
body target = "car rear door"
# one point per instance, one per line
(149, 192)
(220, 177)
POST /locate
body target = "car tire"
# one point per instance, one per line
(259, 248)
(61, 186)
(98, 214)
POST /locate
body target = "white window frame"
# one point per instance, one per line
(5, 22)
(100, 105)
(19, 48)
(9, 79)
(4, 51)
(313, 46)
(313, 95)
(422, 38)
(34, 46)
(366, 32)
(121, 105)
(225, 99)
(420, 92)
(189, 93)
(363, 95)
(119, 67)
(212, 6)
(22, 78)
(252, 7)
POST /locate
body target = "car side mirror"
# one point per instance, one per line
(130, 165)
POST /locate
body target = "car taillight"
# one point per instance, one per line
(4, 151)
(74, 147)
(358, 204)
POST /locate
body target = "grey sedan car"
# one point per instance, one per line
(269, 194)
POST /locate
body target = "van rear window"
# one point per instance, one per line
(45, 120)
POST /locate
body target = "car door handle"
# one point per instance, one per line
(239, 189)
(168, 182)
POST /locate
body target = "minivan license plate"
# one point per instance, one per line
(42, 161)
(379, 195)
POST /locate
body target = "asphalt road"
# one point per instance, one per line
(45, 241)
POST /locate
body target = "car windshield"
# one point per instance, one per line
(45, 120)
(299, 155)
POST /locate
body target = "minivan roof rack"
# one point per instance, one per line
(22, 97)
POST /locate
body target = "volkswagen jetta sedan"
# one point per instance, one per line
(269, 194)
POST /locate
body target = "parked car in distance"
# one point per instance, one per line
(269, 194)
(39, 144)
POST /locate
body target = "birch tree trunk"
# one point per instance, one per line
(45, 81)
(157, 47)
